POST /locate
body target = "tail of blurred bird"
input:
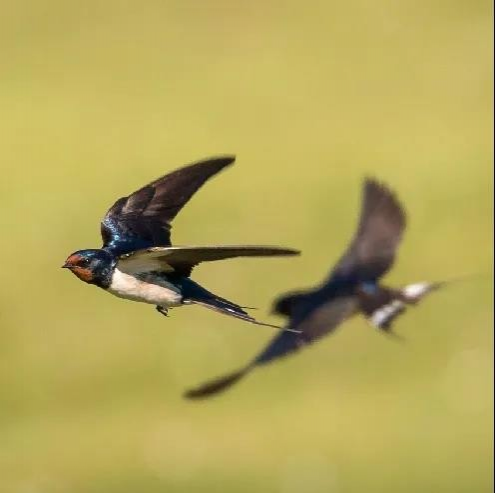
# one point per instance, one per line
(385, 305)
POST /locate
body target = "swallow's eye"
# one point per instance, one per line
(84, 262)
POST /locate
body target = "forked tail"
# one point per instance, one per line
(383, 305)
(195, 294)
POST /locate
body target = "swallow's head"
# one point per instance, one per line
(286, 304)
(91, 266)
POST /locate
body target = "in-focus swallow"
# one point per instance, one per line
(137, 261)
(352, 287)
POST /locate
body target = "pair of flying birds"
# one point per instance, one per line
(138, 262)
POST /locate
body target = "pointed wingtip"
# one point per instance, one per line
(214, 163)
(215, 386)
(280, 251)
(222, 159)
(290, 252)
(378, 194)
(372, 183)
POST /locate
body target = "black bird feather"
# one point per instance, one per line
(143, 219)
(382, 221)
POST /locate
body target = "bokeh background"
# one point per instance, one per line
(98, 98)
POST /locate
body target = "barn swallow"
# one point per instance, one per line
(137, 260)
(352, 287)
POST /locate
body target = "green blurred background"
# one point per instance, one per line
(98, 98)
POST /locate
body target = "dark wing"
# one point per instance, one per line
(217, 385)
(372, 251)
(317, 323)
(143, 218)
(182, 259)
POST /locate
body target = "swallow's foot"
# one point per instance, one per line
(163, 311)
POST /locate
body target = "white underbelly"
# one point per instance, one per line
(159, 292)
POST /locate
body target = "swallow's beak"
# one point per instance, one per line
(66, 266)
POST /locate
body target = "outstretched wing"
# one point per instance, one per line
(381, 226)
(182, 259)
(142, 219)
(315, 324)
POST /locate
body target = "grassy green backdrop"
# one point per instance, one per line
(97, 98)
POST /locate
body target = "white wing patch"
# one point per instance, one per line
(382, 317)
(414, 292)
(137, 264)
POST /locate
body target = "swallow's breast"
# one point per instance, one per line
(146, 288)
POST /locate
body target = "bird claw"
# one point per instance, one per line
(163, 311)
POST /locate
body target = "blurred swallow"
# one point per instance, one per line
(137, 260)
(352, 287)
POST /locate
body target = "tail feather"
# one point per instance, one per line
(384, 305)
(195, 294)
(383, 317)
(227, 309)
(413, 293)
